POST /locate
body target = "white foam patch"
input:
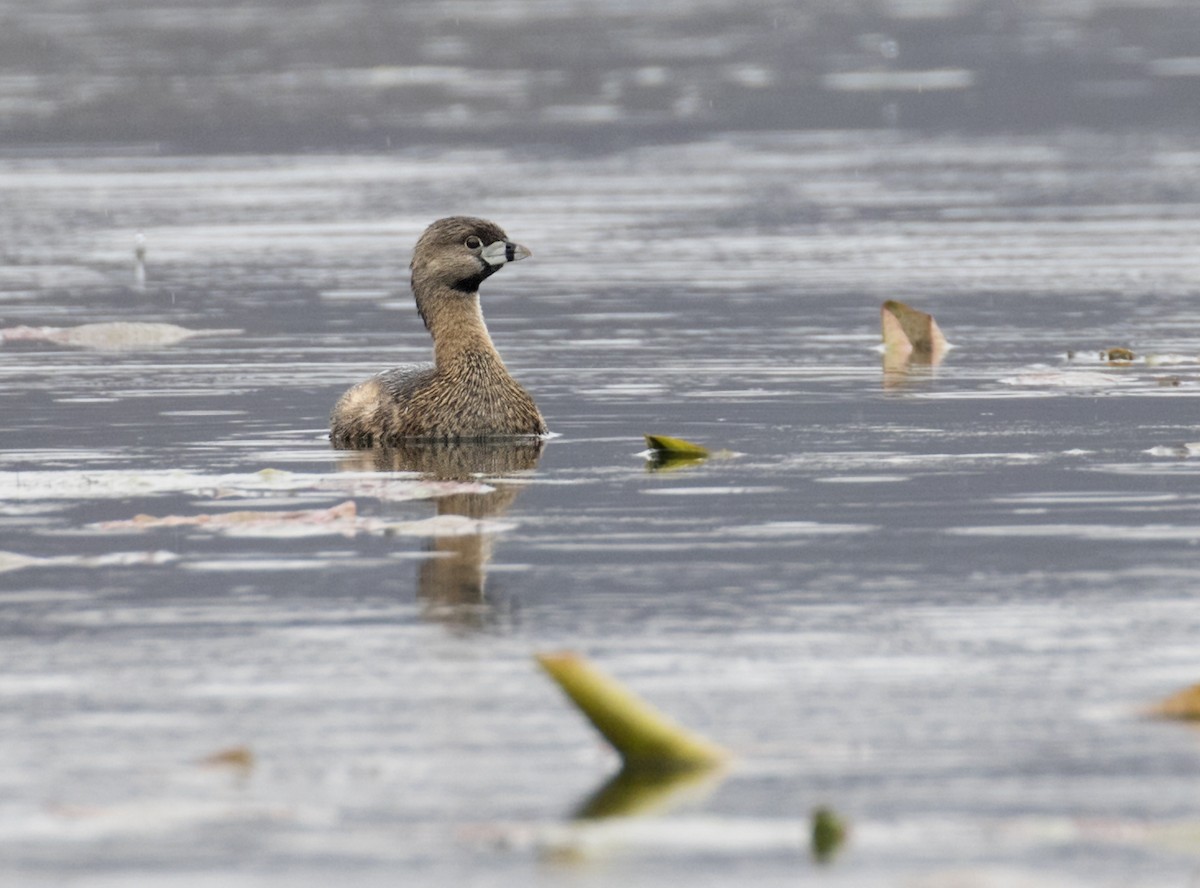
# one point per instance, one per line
(10, 561)
(121, 484)
(257, 565)
(711, 491)
(863, 479)
(798, 528)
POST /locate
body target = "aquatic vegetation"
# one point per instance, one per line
(645, 739)
(1183, 705)
(909, 332)
(1117, 355)
(828, 834)
(668, 454)
(638, 792)
(675, 448)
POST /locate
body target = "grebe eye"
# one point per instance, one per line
(473, 243)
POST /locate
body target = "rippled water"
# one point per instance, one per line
(244, 74)
(934, 598)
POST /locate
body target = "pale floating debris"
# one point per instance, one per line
(341, 519)
(89, 484)
(110, 336)
(906, 328)
(910, 338)
(392, 490)
(1177, 450)
(1123, 357)
(10, 561)
(1170, 360)
(1064, 379)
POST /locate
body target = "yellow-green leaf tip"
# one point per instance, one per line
(645, 738)
(675, 447)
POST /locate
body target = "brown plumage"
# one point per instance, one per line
(466, 393)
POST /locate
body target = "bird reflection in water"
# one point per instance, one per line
(451, 582)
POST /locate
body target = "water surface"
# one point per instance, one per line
(935, 598)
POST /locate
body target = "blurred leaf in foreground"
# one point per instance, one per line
(645, 739)
(828, 834)
(1183, 705)
(240, 758)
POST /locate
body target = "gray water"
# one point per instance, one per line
(935, 598)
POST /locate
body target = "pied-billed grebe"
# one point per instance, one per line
(466, 393)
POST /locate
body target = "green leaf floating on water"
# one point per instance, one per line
(828, 834)
(675, 448)
(645, 738)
